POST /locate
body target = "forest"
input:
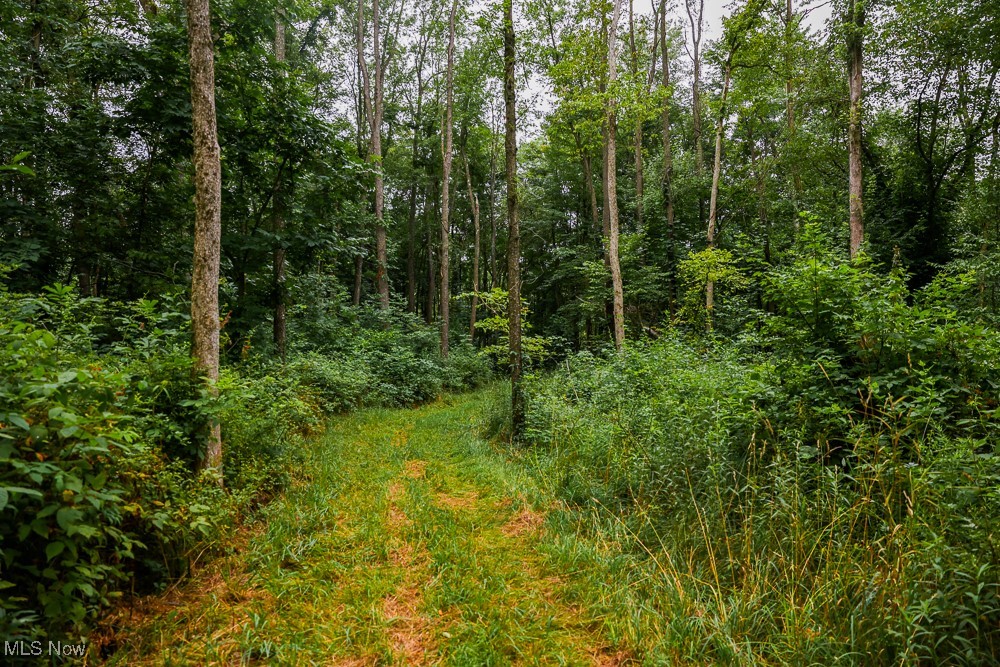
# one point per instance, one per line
(577, 332)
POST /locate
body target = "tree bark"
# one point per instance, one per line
(588, 179)
(279, 328)
(411, 256)
(856, 19)
(638, 120)
(789, 95)
(716, 177)
(474, 205)
(207, 222)
(668, 165)
(696, 20)
(359, 262)
(514, 233)
(431, 273)
(618, 299)
(446, 157)
(374, 105)
(493, 222)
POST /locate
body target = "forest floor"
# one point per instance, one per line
(406, 540)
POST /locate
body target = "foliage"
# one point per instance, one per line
(101, 422)
(497, 327)
(714, 265)
(856, 348)
(692, 458)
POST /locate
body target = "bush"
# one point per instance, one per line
(101, 425)
(100, 422)
(706, 463)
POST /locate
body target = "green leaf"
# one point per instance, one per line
(4, 497)
(66, 517)
(54, 549)
(18, 420)
(20, 489)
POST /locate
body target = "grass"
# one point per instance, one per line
(406, 540)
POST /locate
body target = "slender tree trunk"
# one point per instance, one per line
(474, 205)
(493, 222)
(207, 223)
(411, 257)
(790, 96)
(279, 332)
(446, 156)
(358, 274)
(411, 251)
(716, 177)
(514, 232)
(696, 20)
(618, 299)
(588, 178)
(856, 19)
(431, 273)
(638, 119)
(372, 90)
(668, 166)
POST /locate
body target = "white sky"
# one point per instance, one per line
(715, 10)
(538, 97)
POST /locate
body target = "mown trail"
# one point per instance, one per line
(408, 541)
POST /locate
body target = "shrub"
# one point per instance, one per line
(705, 463)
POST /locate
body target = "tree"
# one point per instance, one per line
(373, 94)
(855, 21)
(446, 158)
(423, 40)
(280, 327)
(735, 35)
(474, 205)
(610, 169)
(668, 160)
(513, 230)
(207, 222)
(696, 16)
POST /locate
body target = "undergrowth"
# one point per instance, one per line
(824, 492)
(101, 425)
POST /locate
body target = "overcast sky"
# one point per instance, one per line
(715, 10)
(539, 98)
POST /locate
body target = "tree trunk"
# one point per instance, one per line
(789, 96)
(716, 177)
(668, 166)
(493, 221)
(474, 205)
(359, 262)
(638, 120)
(431, 273)
(696, 21)
(279, 328)
(856, 19)
(411, 250)
(618, 299)
(446, 156)
(207, 221)
(514, 233)
(588, 178)
(374, 105)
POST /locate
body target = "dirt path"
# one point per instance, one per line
(407, 542)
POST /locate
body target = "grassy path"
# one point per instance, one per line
(409, 542)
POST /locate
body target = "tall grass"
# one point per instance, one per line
(755, 542)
